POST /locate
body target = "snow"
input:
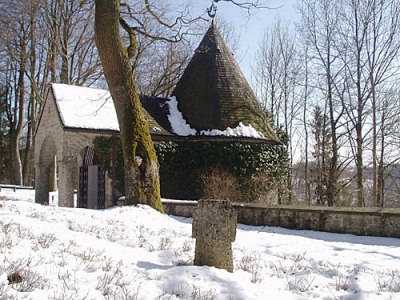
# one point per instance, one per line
(82, 107)
(181, 127)
(138, 253)
(240, 130)
(88, 108)
(178, 123)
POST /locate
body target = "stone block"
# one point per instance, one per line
(214, 227)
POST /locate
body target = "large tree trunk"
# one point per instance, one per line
(142, 183)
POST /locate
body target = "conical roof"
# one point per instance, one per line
(213, 92)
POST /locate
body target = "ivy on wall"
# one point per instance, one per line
(109, 151)
(187, 161)
(183, 163)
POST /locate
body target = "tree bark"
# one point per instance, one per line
(17, 125)
(307, 186)
(359, 40)
(332, 175)
(16, 170)
(381, 170)
(375, 198)
(29, 149)
(142, 183)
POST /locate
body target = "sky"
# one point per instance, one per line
(122, 253)
(250, 28)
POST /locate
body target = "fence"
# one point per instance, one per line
(15, 187)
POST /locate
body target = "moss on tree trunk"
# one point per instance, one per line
(142, 184)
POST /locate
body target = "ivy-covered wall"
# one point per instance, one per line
(183, 163)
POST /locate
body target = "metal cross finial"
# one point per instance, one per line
(212, 11)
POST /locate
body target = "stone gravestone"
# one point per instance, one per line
(214, 227)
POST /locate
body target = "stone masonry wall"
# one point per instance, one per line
(68, 145)
(358, 221)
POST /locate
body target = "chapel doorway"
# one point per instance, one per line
(91, 181)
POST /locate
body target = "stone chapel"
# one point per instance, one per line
(212, 94)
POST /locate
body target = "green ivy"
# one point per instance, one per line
(105, 148)
(182, 164)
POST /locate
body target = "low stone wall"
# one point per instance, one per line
(359, 221)
(179, 208)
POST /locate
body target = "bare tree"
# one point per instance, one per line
(370, 46)
(276, 77)
(388, 187)
(354, 34)
(33, 105)
(72, 55)
(42, 41)
(306, 99)
(267, 75)
(319, 27)
(382, 50)
(159, 66)
(15, 49)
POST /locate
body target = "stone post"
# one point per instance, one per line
(67, 180)
(214, 227)
(42, 183)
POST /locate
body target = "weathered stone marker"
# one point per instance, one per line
(214, 227)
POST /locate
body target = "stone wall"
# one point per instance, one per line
(359, 221)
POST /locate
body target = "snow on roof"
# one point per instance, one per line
(89, 108)
(182, 128)
(82, 107)
(240, 130)
(178, 123)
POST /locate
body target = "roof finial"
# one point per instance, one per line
(212, 11)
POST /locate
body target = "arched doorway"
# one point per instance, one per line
(45, 178)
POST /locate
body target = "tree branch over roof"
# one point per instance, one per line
(248, 4)
(178, 27)
(146, 13)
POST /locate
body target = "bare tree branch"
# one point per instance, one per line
(131, 31)
(249, 4)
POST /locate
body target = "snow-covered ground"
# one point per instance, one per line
(138, 253)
